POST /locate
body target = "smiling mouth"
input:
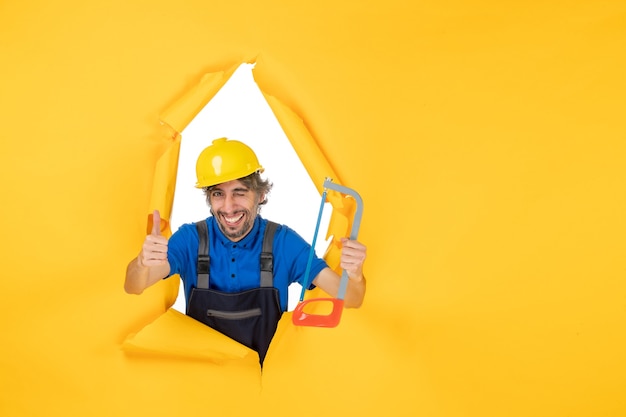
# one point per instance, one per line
(232, 221)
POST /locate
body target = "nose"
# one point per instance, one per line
(229, 202)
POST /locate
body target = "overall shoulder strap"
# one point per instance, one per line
(202, 264)
(267, 259)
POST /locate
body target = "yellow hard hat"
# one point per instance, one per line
(225, 160)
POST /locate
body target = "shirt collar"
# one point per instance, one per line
(247, 242)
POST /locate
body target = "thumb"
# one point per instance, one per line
(156, 223)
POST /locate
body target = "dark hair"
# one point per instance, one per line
(252, 181)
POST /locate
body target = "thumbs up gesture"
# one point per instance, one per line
(154, 250)
(151, 265)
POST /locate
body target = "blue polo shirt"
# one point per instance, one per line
(235, 266)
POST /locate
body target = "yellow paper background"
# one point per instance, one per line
(486, 139)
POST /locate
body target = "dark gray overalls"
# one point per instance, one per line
(249, 317)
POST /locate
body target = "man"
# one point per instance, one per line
(236, 278)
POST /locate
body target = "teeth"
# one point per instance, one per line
(233, 219)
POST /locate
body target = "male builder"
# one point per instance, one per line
(235, 265)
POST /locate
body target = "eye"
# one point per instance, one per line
(216, 194)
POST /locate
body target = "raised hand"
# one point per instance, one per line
(353, 254)
(154, 250)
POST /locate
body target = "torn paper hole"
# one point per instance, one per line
(239, 111)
